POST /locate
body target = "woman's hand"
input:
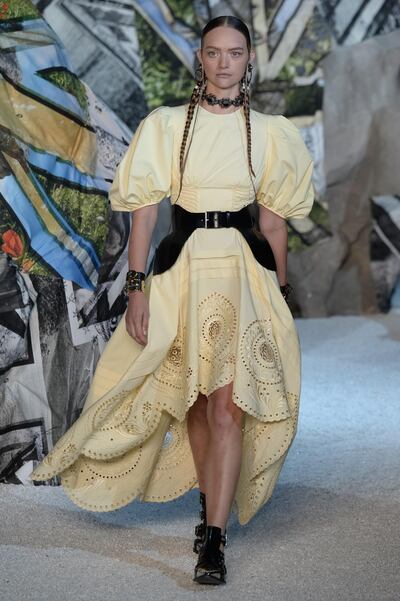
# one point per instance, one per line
(137, 316)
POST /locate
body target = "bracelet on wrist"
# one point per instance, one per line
(135, 280)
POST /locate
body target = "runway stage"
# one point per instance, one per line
(330, 531)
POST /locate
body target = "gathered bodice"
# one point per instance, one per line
(216, 174)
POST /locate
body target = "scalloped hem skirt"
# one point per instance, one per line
(216, 316)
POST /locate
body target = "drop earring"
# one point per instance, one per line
(200, 77)
(246, 79)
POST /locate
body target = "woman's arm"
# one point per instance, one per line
(137, 313)
(274, 228)
(143, 223)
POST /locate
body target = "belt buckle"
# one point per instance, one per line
(215, 219)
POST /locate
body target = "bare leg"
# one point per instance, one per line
(199, 435)
(224, 455)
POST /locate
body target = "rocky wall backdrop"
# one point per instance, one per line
(76, 77)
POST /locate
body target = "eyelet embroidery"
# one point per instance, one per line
(169, 373)
(249, 358)
(260, 354)
(218, 326)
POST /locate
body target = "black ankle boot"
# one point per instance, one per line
(210, 567)
(200, 529)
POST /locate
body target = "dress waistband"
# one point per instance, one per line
(188, 221)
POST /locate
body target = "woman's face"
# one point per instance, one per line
(224, 56)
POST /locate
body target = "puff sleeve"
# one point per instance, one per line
(286, 187)
(143, 177)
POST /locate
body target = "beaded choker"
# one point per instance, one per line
(224, 102)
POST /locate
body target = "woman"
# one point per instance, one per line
(200, 385)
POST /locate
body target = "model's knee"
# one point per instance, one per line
(223, 416)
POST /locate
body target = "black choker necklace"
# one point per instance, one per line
(224, 102)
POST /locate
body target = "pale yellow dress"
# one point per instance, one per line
(216, 316)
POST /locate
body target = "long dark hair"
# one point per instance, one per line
(239, 25)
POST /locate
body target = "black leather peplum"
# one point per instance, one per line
(185, 222)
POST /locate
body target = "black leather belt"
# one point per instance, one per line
(185, 222)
